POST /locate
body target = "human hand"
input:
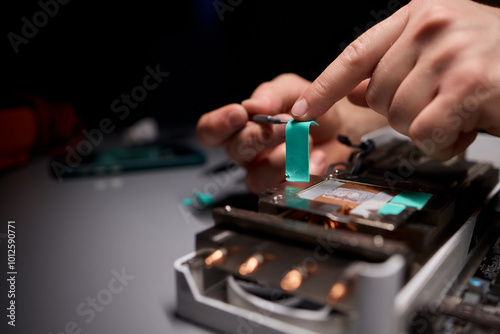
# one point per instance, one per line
(260, 148)
(431, 68)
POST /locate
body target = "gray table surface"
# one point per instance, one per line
(75, 240)
(110, 241)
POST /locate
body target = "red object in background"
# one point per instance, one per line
(35, 125)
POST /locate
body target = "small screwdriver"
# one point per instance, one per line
(264, 119)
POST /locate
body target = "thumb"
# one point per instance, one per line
(357, 95)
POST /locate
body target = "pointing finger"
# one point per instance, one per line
(356, 63)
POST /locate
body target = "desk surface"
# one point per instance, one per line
(95, 254)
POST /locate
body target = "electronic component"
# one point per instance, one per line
(343, 253)
(471, 303)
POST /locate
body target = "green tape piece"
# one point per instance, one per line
(297, 150)
(187, 201)
(412, 199)
(204, 199)
(391, 209)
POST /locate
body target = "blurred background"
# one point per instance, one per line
(86, 55)
(216, 51)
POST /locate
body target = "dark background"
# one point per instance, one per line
(88, 54)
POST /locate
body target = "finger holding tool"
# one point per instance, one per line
(215, 127)
(261, 133)
(279, 131)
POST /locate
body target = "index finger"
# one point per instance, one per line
(276, 96)
(356, 63)
(215, 127)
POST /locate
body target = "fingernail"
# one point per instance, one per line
(237, 118)
(299, 108)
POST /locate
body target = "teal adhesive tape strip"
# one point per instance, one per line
(199, 199)
(391, 209)
(412, 199)
(187, 201)
(297, 150)
(204, 199)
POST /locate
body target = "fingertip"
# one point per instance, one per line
(257, 105)
(237, 117)
(299, 109)
(214, 127)
(203, 131)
